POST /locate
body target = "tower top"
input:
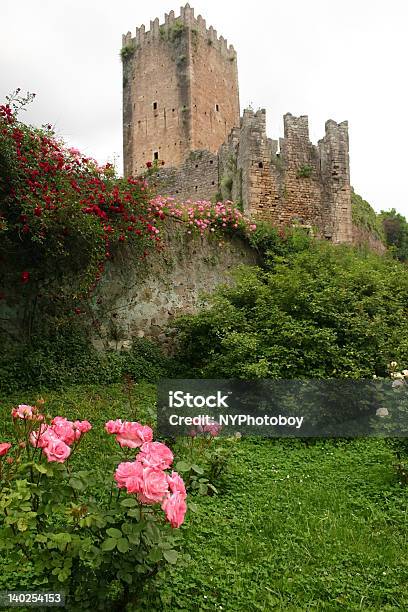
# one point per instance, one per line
(186, 19)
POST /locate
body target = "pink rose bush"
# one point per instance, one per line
(202, 216)
(68, 518)
(145, 477)
(129, 434)
(56, 440)
(23, 411)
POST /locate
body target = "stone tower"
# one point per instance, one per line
(180, 91)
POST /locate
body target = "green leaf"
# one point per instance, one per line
(171, 556)
(122, 545)
(127, 578)
(155, 555)
(134, 513)
(192, 506)
(183, 466)
(129, 502)
(134, 538)
(42, 469)
(76, 484)
(108, 544)
(197, 469)
(114, 533)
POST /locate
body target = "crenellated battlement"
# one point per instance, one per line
(173, 25)
(181, 105)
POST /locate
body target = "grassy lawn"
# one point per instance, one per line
(295, 527)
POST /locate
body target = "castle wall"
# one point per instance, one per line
(180, 91)
(214, 88)
(301, 184)
(139, 299)
(196, 178)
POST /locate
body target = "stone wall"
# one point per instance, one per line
(290, 182)
(196, 178)
(180, 90)
(139, 299)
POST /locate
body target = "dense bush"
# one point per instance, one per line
(69, 358)
(323, 311)
(396, 233)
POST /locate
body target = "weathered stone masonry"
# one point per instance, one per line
(181, 106)
(290, 182)
(180, 91)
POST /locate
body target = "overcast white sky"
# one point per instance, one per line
(337, 60)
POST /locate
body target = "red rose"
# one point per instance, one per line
(25, 277)
(149, 164)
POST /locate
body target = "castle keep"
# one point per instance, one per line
(181, 107)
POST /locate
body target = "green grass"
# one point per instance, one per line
(297, 527)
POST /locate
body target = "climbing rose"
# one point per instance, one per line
(133, 435)
(175, 508)
(155, 454)
(4, 448)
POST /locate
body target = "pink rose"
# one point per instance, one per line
(63, 429)
(56, 450)
(4, 448)
(22, 412)
(40, 438)
(82, 426)
(127, 470)
(113, 427)
(176, 484)
(155, 454)
(213, 428)
(175, 508)
(154, 486)
(133, 435)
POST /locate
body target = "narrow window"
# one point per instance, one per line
(196, 165)
(260, 165)
(156, 155)
(154, 105)
(217, 108)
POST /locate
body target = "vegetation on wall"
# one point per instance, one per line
(364, 216)
(61, 218)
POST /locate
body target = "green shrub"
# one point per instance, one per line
(321, 311)
(69, 358)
